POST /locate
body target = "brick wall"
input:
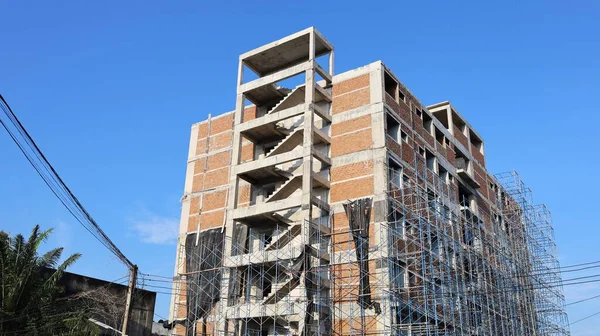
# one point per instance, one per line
(477, 155)
(458, 134)
(210, 180)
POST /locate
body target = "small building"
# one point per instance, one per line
(106, 302)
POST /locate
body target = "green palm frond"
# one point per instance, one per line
(29, 293)
(60, 270)
(41, 237)
(51, 258)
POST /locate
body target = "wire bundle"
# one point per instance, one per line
(47, 172)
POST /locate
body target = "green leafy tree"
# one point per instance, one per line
(30, 300)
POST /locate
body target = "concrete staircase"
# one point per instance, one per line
(288, 143)
(281, 126)
(293, 98)
(282, 291)
(284, 237)
(285, 189)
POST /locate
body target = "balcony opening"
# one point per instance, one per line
(401, 96)
(464, 169)
(476, 142)
(391, 86)
(464, 197)
(442, 116)
(395, 173)
(440, 138)
(419, 114)
(442, 173)
(459, 123)
(396, 222)
(461, 162)
(427, 122)
(404, 136)
(431, 160)
(393, 128)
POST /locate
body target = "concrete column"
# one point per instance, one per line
(183, 223)
(450, 121)
(331, 64)
(307, 167)
(232, 196)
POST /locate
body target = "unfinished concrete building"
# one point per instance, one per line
(340, 205)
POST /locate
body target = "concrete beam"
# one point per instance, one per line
(270, 207)
(321, 157)
(261, 257)
(324, 92)
(321, 38)
(276, 43)
(276, 77)
(319, 204)
(272, 118)
(321, 135)
(319, 70)
(322, 229)
(321, 180)
(322, 113)
(268, 162)
(291, 310)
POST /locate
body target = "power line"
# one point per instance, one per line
(148, 276)
(40, 163)
(587, 299)
(460, 292)
(585, 318)
(156, 276)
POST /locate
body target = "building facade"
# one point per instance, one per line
(341, 205)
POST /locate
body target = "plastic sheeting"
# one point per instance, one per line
(240, 236)
(359, 215)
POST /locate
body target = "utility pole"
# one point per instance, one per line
(132, 278)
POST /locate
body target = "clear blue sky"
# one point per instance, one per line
(109, 91)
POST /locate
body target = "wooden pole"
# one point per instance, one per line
(132, 278)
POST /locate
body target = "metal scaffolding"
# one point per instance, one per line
(435, 267)
(281, 286)
(446, 267)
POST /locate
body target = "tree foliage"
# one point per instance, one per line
(30, 300)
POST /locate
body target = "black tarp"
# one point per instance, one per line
(240, 237)
(359, 215)
(204, 258)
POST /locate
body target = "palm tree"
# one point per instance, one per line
(30, 302)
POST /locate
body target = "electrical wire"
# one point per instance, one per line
(587, 299)
(585, 318)
(49, 175)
